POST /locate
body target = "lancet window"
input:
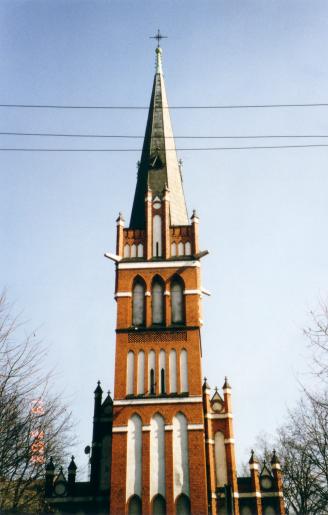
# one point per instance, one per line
(138, 303)
(158, 301)
(177, 302)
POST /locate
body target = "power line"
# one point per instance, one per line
(126, 136)
(266, 147)
(231, 106)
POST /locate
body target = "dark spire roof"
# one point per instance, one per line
(159, 165)
(98, 390)
(72, 466)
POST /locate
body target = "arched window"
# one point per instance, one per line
(157, 236)
(188, 248)
(157, 456)
(180, 248)
(173, 249)
(126, 251)
(184, 371)
(130, 373)
(183, 505)
(177, 303)
(269, 511)
(159, 505)
(138, 303)
(173, 371)
(135, 506)
(151, 372)
(140, 250)
(220, 459)
(157, 298)
(141, 373)
(134, 458)
(133, 251)
(180, 456)
(162, 367)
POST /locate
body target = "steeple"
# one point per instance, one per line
(159, 166)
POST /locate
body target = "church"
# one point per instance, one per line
(165, 443)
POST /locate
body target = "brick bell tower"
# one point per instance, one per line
(172, 440)
(158, 452)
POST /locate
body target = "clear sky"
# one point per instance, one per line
(263, 213)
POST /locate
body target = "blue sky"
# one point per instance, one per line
(263, 213)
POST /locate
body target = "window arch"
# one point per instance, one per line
(220, 459)
(130, 373)
(183, 505)
(157, 236)
(177, 302)
(157, 301)
(159, 505)
(138, 302)
(126, 252)
(180, 248)
(173, 249)
(134, 458)
(180, 457)
(184, 371)
(133, 250)
(141, 373)
(152, 372)
(173, 370)
(135, 505)
(162, 367)
(187, 248)
(157, 455)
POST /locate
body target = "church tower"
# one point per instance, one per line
(158, 452)
(172, 439)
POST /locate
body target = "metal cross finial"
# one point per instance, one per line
(158, 36)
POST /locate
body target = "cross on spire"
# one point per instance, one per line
(158, 36)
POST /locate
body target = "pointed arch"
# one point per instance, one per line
(173, 249)
(177, 300)
(159, 505)
(180, 248)
(180, 456)
(141, 373)
(134, 457)
(126, 250)
(183, 505)
(220, 459)
(133, 250)
(173, 370)
(187, 248)
(152, 372)
(138, 301)
(135, 505)
(162, 368)
(157, 455)
(140, 250)
(184, 371)
(130, 373)
(157, 298)
(157, 236)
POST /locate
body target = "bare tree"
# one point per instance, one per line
(34, 424)
(317, 335)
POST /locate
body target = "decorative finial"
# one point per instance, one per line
(158, 51)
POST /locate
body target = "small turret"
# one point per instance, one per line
(256, 489)
(277, 475)
(71, 476)
(50, 473)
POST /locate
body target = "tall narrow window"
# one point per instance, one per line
(126, 252)
(135, 505)
(188, 248)
(151, 372)
(157, 456)
(134, 457)
(141, 373)
(138, 303)
(133, 250)
(173, 249)
(158, 301)
(130, 373)
(173, 371)
(180, 456)
(180, 248)
(162, 367)
(184, 371)
(220, 459)
(159, 505)
(183, 505)
(177, 304)
(157, 236)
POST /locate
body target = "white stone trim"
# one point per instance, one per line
(146, 428)
(236, 495)
(147, 294)
(159, 264)
(227, 390)
(218, 415)
(195, 427)
(122, 294)
(168, 427)
(214, 496)
(229, 440)
(192, 292)
(250, 494)
(272, 494)
(254, 466)
(276, 466)
(210, 441)
(156, 400)
(120, 429)
(167, 293)
(206, 292)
